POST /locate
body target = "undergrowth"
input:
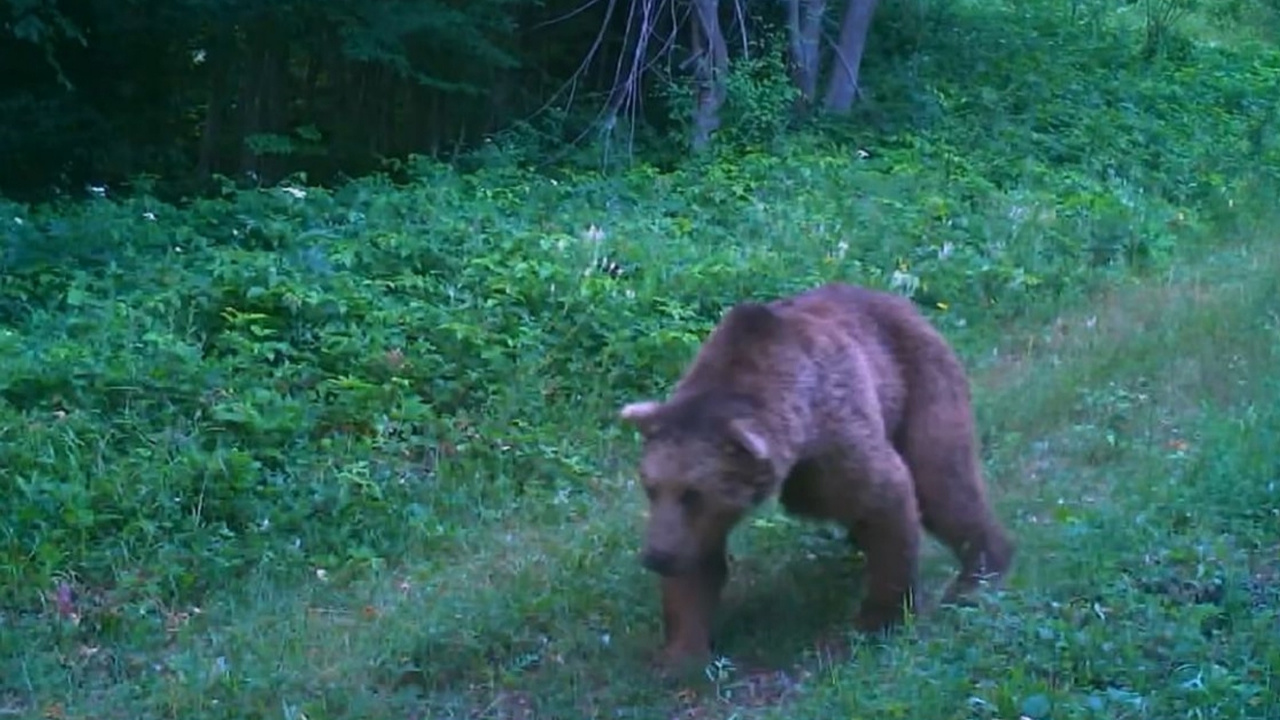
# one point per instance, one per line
(275, 402)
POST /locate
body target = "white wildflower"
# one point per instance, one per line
(904, 281)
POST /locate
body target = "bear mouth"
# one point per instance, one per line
(672, 565)
(664, 563)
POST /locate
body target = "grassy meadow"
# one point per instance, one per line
(352, 453)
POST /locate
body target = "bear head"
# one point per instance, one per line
(706, 461)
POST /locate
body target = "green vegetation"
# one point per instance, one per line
(351, 452)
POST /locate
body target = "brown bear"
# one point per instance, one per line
(850, 406)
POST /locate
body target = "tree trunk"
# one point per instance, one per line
(275, 88)
(711, 64)
(843, 87)
(248, 103)
(220, 66)
(804, 25)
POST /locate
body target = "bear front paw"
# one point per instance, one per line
(876, 618)
(682, 659)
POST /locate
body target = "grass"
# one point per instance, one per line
(352, 453)
(1130, 448)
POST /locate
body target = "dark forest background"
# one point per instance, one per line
(95, 92)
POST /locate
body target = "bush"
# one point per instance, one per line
(298, 377)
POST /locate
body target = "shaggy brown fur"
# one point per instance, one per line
(853, 408)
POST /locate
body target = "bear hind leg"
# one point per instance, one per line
(979, 543)
(954, 507)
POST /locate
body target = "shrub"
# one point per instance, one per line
(295, 376)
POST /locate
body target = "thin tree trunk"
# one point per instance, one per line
(436, 123)
(711, 58)
(274, 88)
(220, 64)
(249, 105)
(843, 87)
(804, 26)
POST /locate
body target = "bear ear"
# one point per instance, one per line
(642, 414)
(751, 320)
(746, 434)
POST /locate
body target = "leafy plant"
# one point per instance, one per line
(298, 409)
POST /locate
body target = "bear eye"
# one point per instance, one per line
(690, 498)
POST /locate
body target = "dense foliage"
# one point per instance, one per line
(98, 92)
(294, 375)
(262, 396)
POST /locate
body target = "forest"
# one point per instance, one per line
(316, 319)
(262, 89)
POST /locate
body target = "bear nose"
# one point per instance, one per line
(659, 561)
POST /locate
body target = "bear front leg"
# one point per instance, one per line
(688, 608)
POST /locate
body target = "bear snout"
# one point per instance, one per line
(661, 562)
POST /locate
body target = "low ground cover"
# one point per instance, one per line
(339, 453)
